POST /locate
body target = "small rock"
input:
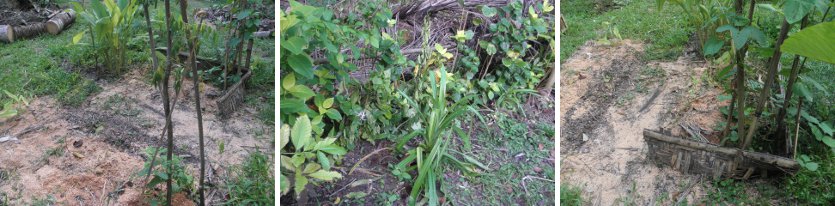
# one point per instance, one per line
(77, 143)
(585, 137)
(537, 169)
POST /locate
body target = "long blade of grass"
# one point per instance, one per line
(464, 138)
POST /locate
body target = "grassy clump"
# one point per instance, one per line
(254, 182)
(570, 195)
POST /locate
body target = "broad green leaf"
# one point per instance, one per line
(796, 9)
(826, 128)
(295, 45)
(334, 149)
(297, 160)
(828, 141)
(284, 138)
(812, 166)
(301, 132)
(287, 22)
(287, 163)
(284, 185)
(808, 117)
(816, 42)
(323, 160)
(311, 167)
(302, 9)
(326, 175)
(289, 81)
(713, 45)
(801, 89)
(301, 64)
(328, 103)
(770, 7)
(302, 92)
(324, 143)
(334, 114)
(301, 181)
(816, 132)
(488, 11)
(293, 105)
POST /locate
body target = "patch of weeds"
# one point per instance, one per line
(624, 99)
(182, 181)
(571, 195)
(254, 183)
(814, 187)
(631, 197)
(727, 192)
(49, 200)
(387, 198)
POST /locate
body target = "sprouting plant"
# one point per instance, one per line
(10, 107)
(160, 174)
(307, 147)
(438, 118)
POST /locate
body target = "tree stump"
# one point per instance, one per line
(58, 22)
(6, 33)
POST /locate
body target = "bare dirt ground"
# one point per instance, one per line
(90, 155)
(608, 97)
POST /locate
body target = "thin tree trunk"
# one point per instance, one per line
(769, 82)
(781, 115)
(740, 80)
(167, 108)
(192, 56)
(155, 62)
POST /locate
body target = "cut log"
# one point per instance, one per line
(58, 22)
(262, 34)
(28, 31)
(701, 158)
(6, 33)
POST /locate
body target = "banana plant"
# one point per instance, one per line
(110, 25)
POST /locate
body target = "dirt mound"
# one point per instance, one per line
(608, 96)
(89, 155)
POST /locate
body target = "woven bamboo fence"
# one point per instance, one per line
(694, 157)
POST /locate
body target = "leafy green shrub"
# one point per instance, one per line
(111, 26)
(253, 183)
(159, 175)
(518, 43)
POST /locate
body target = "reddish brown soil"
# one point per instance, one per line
(90, 155)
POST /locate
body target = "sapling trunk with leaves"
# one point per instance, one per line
(740, 75)
(193, 63)
(781, 114)
(168, 66)
(771, 76)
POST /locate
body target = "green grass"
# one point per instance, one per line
(665, 31)
(570, 195)
(35, 67)
(502, 184)
(254, 182)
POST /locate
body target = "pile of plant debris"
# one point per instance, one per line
(24, 12)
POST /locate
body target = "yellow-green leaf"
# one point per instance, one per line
(284, 137)
(77, 37)
(325, 175)
(328, 103)
(301, 181)
(301, 135)
(289, 81)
